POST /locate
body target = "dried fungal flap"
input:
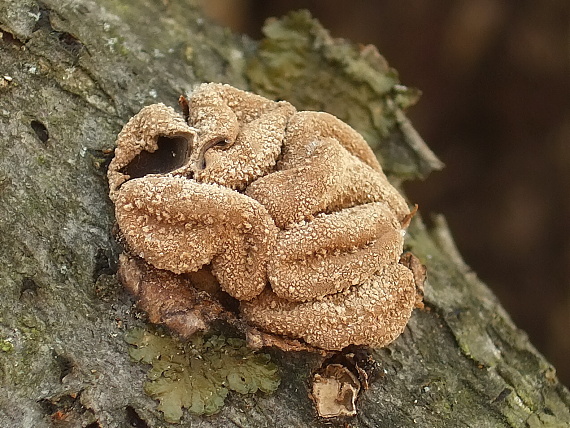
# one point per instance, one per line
(335, 390)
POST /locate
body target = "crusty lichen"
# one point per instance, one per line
(367, 92)
(198, 374)
(6, 345)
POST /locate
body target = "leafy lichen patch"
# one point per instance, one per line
(367, 93)
(198, 374)
(6, 345)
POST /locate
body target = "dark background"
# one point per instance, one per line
(495, 76)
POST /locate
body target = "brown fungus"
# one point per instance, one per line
(335, 390)
(372, 313)
(289, 210)
(154, 127)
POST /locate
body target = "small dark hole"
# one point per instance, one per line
(171, 154)
(133, 418)
(29, 286)
(9, 38)
(71, 43)
(65, 365)
(40, 130)
(94, 425)
(47, 406)
(103, 264)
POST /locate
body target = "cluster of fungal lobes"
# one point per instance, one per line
(288, 210)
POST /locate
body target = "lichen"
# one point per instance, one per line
(6, 345)
(367, 93)
(199, 373)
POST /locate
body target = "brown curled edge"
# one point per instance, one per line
(182, 308)
(335, 390)
(200, 224)
(373, 313)
(141, 135)
(420, 275)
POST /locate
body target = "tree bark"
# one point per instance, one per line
(72, 73)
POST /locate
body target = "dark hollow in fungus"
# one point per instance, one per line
(171, 154)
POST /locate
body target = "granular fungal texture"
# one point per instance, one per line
(371, 312)
(198, 374)
(290, 212)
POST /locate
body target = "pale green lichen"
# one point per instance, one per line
(198, 374)
(6, 345)
(300, 62)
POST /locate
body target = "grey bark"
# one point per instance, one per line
(72, 73)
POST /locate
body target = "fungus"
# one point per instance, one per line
(239, 134)
(180, 225)
(335, 390)
(333, 252)
(373, 313)
(289, 210)
(155, 126)
(168, 298)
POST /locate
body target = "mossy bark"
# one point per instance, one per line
(72, 73)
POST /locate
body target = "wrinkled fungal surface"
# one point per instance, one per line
(287, 213)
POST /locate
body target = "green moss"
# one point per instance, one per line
(198, 374)
(42, 160)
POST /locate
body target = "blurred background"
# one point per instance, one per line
(495, 77)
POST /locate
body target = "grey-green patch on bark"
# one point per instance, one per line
(199, 374)
(355, 84)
